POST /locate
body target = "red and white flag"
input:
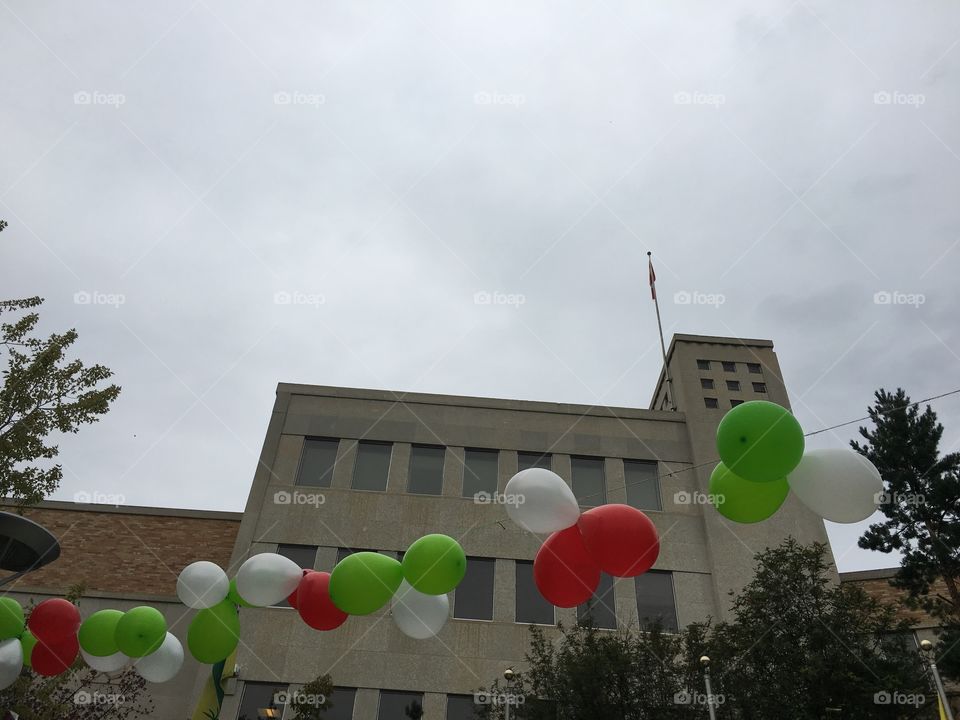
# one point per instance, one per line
(653, 279)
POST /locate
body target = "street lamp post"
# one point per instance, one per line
(705, 662)
(926, 648)
(24, 546)
(508, 675)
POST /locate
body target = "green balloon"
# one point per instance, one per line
(11, 618)
(27, 641)
(760, 441)
(140, 631)
(234, 596)
(98, 633)
(434, 564)
(743, 501)
(364, 582)
(214, 632)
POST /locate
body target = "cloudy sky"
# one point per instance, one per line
(220, 198)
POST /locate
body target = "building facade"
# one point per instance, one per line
(347, 469)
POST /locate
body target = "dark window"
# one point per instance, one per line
(711, 402)
(341, 704)
(531, 605)
(643, 485)
(760, 387)
(373, 463)
(346, 552)
(706, 383)
(461, 707)
(480, 472)
(426, 470)
(703, 364)
(527, 460)
(754, 368)
(303, 555)
(733, 385)
(398, 705)
(601, 608)
(258, 700)
(588, 483)
(473, 598)
(734, 403)
(317, 461)
(729, 366)
(655, 599)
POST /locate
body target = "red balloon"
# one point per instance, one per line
(621, 539)
(54, 620)
(316, 607)
(292, 597)
(564, 572)
(51, 659)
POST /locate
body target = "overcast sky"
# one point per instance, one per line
(219, 198)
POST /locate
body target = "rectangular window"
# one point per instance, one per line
(703, 364)
(734, 403)
(760, 387)
(655, 600)
(426, 470)
(588, 481)
(303, 555)
(527, 460)
(372, 466)
(341, 704)
(643, 485)
(347, 552)
(706, 383)
(480, 472)
(601, 609)
(473, 598)
(729, 366)
(461, 707)
(317, 461)
(733, 385)
(400, 705)
(711, 402)
(531, 605)
(754, 368)
(258, 700)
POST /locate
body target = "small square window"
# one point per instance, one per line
(643, 484)
(711, 403)
(527, 460)
(733, 385)
(601, 609)
(479, 472)
(703, 364)
(754, 368)
(588, 481)
(372, 465)
(399, 704)
(473, 599)
(316, 462)
(426, 470)
(760, 387)
(729, 366)
(531, 607)
(655, 600)
(706, 383)
(734, 403)
(259, 699)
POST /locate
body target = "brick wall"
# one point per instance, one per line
(128, 550)
(876, 583)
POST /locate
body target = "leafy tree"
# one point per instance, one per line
(307, 703)
(43, 392)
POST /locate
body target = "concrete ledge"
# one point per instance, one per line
(9, 506)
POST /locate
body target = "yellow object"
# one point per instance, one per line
(943, 714)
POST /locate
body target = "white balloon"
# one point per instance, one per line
(838, 484)
(164, 663)
(202, 585)
(107, 663)
(540, 501)
(11, 662)
(418, 615)
(267, 578)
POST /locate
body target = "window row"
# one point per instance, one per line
(730, 366)
(480, 471)
(732, 385)
(473, 598)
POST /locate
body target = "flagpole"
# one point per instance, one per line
(663, 347)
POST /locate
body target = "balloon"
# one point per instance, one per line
(49, 659)
(364, 582)
(620, 539)
(106, 664)
(838, 484)
(293, 599)
(140, 631)
(53, 620)
(234, 596)
(434, 564)
(214, 633)
(417, 614)
(11, 662)
(760, 441)
(315, 606)
(11, 618)
(540, 501)
(267, 578)
(28, 642)
(743, 501)
(164, 664)
(202, 584)
(98, 633)
(563, 570)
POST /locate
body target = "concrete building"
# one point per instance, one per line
(346, 469)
